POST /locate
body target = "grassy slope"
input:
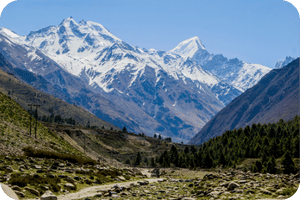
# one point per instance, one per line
(106, 144)
(25, 94)
(14, 131)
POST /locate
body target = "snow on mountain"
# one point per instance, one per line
(189, 47)
(173, 93)
(239, 74)
(8, 33)
(280, 64)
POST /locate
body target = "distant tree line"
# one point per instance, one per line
(53, 118)
(266, 142)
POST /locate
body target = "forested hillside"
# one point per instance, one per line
(265, 142)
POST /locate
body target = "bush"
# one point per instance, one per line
(40, 153)
(23, 180)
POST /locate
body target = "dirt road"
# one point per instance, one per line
(92, 191)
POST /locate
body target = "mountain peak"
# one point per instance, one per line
(280, 64)
(8, 32)
(189, 47)
(68, 22)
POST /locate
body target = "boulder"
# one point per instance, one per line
(8, 169)
(70, 180)
(11, 193)
(16, 188)
(20, 194)
(232, 185)
(264, 191)
(33, 191)
(37, 166)
(121, 178)
(70, 186)
(48, 195)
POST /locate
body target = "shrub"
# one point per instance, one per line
(40, 153)
(23, 180)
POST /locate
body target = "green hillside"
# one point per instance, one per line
(25, 94)
(14, 131)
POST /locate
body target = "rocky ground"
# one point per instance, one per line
(35, 178)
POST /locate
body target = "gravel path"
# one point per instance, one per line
(91, 191)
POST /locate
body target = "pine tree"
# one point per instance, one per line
(186, 150)
(153, 164)
(208, 163)
(222, 160)
(288, 163)
(258, 165)
(271, 165)
(138, 159)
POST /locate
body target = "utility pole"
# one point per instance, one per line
(84, 143)
(36, 113)
(30, 118)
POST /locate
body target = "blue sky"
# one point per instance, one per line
(255, 31)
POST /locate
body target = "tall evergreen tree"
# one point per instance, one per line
(138, 159)
(288, 163)
(222, 160)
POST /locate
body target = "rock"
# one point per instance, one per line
(237, 191)
(20, 194)
(77, 178)
(122, 178)
(124, 193)
(87, 181)
(16, 188)
(232, 185)
(215, 194)
(36, 176)
(48, 195)
(242, 181)
(143, 182)
(281, 197)
(11, 193)
(8, 169)
(98, 195)
(40, 171)
(33, 191)
(51, 176)
(37, 166)
(280, 191)
(70, 180)
(264, 191)
(224, 184)
(70, 186)
(44, 187)
(61, 164)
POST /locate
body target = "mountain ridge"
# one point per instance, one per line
(135, 79)
(274, 97)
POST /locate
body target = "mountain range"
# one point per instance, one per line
(173, 93)
(274, 97)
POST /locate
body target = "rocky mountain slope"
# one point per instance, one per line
(274, 97)
(283, 63)
(25, 94)
(234, 72)
(172, 93)
(59, 83)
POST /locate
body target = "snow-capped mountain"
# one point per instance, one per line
(238, 74)
(280, 64)
(173, 93)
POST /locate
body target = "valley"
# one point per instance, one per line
(123, 122)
